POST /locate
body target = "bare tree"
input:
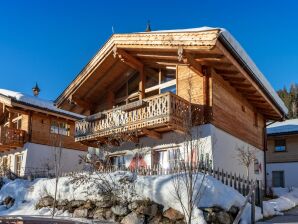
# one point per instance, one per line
(56, 139)
(98, 177)
(188, 183)
(246, 156)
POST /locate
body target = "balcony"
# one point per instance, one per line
(11, 138)
(156, 114)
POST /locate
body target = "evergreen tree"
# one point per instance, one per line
(290, 99)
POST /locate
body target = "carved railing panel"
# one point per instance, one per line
(160, 110)
(12, 137)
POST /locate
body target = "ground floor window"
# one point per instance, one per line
(166, 158)
(5, 162)
(278, 179)
(18, 161)
(118, 161)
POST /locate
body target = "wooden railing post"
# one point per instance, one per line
(253, 209)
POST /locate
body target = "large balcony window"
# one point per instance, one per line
(157, 81)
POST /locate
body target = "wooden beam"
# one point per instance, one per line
(221, 65)
(110, 99)
(226, 72)
(171, 57)
(128, 59)
(10, 117)
(151, 133)
(233, 79)
(142, 85)
(6, 147)
(193, 65)
(207, 55)
(236, 84)
(245, 90)
(131, 138)
(17, 111)
(82, 103)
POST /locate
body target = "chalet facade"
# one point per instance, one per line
(282, 154)
(149, 89)
(31, 130)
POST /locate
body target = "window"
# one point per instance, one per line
(256, 166)
(18, 161)
(152, 77)
(278, 179)
(167, 75)
(163, 80)
(130, 86)
(61, 128)
(5, 163)
(118, 161)
(171, 89)
(280, 145)
(160, 158)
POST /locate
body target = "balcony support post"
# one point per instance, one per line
(111, 99)
(142, 84)
(10, 119)
(207, 95)
(151, 134)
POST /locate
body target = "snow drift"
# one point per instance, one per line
(156, 188)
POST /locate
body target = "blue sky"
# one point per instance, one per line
(50, 41)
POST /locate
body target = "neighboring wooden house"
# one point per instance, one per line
(30, 129)
(282, 154)
(141, 86)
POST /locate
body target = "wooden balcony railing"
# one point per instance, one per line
(165, 110)
(11, 137)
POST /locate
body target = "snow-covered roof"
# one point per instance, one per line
(258, 75)
(288, 126)
(36, 102)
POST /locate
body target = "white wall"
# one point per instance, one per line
(38, 157)
(170, 140)
(225, 154)
(221, 147)
(42, 156)
(290, 172)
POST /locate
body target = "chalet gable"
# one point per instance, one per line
(201, 49)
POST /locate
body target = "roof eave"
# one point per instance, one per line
(239, 59)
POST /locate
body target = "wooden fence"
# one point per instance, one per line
(236, 181)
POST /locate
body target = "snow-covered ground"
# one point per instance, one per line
(286, 200)
(157, 188)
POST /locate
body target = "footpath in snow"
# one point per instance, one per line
(286, 200)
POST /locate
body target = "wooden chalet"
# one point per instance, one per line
(147, 82)
(29, 119)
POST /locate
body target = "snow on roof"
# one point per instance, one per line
(198, 29)
(287, 126)
(244, 56)
(36, 102)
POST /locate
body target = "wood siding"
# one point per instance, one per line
(192, 87)
(189, 80)
(291, 153)
(25, 123)
(234, 114)
(40, 133)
